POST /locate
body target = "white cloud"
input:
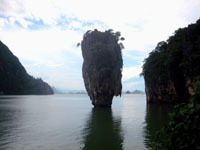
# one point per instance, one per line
(69, 79)
(42, 46)
(12, 7)
(131, 72)
(21, 20)
(52, 53)
(139, 58)
(3, 22)
(75, 24)
(61, 76)
(143, 23)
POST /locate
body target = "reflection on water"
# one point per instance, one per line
(66, 122)
(8, 120)
(103, 131)
(3, 128)
(157, 116)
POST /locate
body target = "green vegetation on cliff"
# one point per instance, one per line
(172, 74)
(14, 79)
(172, 65)
(183, 130)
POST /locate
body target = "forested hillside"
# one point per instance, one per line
(14, 79)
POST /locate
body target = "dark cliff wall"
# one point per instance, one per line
(14, 79)
(102, 66)
(172, 66)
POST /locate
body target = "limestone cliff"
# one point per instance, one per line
(14, 79)
(102, 66)
(172, 66)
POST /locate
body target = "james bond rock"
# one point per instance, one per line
(102, 66)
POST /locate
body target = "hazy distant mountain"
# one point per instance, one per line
(57, 90)
(134, 92)
(14, 79)
(137, 92)
(67, 91)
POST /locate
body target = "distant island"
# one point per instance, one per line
(134, 92)
(67, 91)
(14, 80)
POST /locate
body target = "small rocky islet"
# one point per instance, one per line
(102, 66)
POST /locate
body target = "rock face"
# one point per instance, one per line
(102, 66)
(172, 66)
(14, 79)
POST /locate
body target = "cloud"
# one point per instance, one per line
(75, 24)
(59, 75)
(12, 7)
(131, 72)
(72, 82)
(50, 54)
(143, 23)
(46, 32)
(3, 22)
(42, 46)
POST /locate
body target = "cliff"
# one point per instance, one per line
(172, 66)
(14, 79)
(102, 66)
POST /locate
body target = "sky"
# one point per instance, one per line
(43, 34)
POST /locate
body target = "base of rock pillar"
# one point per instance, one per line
(102, 106)
(105, 103)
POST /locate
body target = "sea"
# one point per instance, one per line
(70, 122)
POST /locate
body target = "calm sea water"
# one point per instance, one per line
(69, 122)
